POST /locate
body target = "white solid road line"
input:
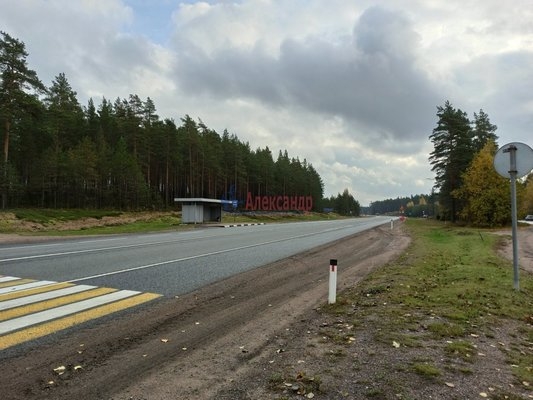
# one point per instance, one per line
(141, 267)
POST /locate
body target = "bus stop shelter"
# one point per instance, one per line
(200, 210)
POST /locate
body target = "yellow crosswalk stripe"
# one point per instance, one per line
(15, 283)
(67, 322)
(45, 305)
(40, 308)
(37, 290)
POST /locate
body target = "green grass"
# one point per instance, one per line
(278, 217)
(462, 349)
(46, 216)
(426, 369)
(457, 273)
(49, 221)
(152, 225)
(448, 287)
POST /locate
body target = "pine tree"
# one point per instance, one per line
(65, 115)
(453, 151)
(18, 88)
(345, 204)
(484, 131)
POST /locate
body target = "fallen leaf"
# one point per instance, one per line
(60, 370)
(449, 384)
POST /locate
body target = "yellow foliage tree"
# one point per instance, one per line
(526, 205)
(485, 193)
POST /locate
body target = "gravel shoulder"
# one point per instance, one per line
(525, 247)
(204, 344)
(258, 335)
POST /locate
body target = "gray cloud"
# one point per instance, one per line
(502, 85)
(372, 81)
(351, 86)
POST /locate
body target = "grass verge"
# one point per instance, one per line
(442, 321)
(67, 222)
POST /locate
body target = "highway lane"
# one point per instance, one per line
(172, 263)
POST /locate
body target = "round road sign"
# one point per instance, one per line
(524, 159)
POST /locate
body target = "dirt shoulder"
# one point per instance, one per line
(525, 247)
(262, 335)
(207, 344)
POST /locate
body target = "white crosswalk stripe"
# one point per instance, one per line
(22, 301)
(32, 319)
(30, 309)
(24, 286)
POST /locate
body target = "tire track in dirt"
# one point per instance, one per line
(200, 342)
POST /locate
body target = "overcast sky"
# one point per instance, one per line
(350, 85)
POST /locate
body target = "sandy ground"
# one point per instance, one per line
(525, 247)
(200, 343)
(225, 341)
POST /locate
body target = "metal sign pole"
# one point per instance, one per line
(512, 172)
(521, 164)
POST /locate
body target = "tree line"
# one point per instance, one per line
(413, 206)
(120, 154)
(468, 188)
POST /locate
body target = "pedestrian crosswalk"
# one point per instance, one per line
(30, 309)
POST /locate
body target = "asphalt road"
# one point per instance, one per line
(172, 263)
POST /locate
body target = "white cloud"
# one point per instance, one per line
(350, 86)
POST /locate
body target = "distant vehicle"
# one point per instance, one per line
(529, 218)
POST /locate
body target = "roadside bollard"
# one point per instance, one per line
(332, 281)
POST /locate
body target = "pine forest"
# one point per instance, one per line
(120, 154)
